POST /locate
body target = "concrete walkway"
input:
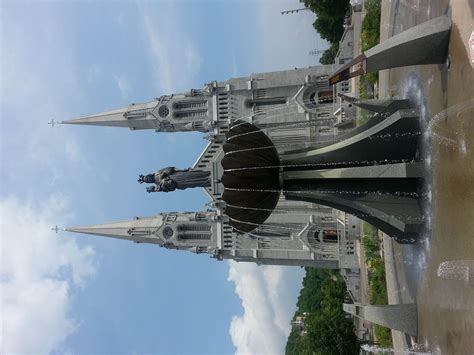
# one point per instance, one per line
(393, 270)
(396, 287)
(445, 307)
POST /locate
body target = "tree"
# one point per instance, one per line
(332, 334)
(329, 54)
(330, 16)
(329, 330)
(333, 8)
(297, 344)
(329, 27)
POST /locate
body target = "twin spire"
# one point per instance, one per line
(173, 113)
(135, 116)
(140, 229)
(157, 115)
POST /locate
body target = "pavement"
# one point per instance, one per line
(445, 307)
(394, 271)
(397, 290)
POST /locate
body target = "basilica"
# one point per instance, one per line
(295, 109)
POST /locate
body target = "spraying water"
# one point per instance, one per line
(379, 350)
(459, 270)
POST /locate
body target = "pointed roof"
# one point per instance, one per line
(140, 229)
(109, 118)
(135, 116)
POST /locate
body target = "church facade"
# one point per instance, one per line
(295, 109)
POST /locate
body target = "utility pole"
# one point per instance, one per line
(316, 52)
(294, 11)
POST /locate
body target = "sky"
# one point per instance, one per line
(65, 293)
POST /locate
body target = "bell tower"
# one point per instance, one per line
(191, 111)
(194, 231)
(295, 109)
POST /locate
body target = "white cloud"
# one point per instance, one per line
(39, 81)
(193, 59)
(269, 304)
(174, 57)
(39, 270)
(161, 60)
(123, 85)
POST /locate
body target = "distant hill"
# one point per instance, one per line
(328, 329)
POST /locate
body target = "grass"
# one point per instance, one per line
(377, 282)
(369, 230)
(370, 37)
(383, 336)
(370, 33)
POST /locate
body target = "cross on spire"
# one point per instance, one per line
(53, 122)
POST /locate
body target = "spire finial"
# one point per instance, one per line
(53, 122)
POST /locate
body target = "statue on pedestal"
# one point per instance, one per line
(170, 179)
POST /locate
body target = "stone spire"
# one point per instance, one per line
(193, 231)
(139, 229)
(135, 116)
(166, 114)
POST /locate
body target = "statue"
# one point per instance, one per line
(152, 189)
(170, 179)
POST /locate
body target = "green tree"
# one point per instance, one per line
(332, 334)
(334, 8)
(329, 330)
(329, 28)
(329, 54)
(297, 344)
(330, 16)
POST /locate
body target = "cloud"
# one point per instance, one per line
(174, 57)
(268, 303)
(193, 59)
(161, 61)
(40, 83)
(41, 78)
(39, 272)
(123, 85)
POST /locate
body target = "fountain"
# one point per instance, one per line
(413, 190)
(459, 270)
(379, 350)
(375, 172)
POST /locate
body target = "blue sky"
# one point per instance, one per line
(80, 294)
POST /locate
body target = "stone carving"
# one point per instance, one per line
(170, 179)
